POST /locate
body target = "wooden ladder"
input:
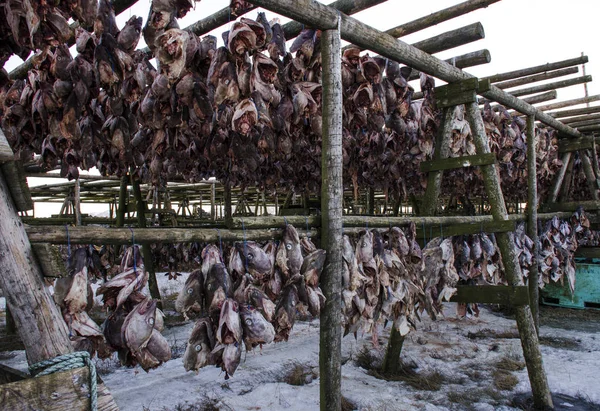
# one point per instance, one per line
(447, 98)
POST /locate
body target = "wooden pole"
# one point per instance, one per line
(537, 77)
(575, 112)
(568, 103)
(140, 207)
(315, 14)
(39, 322)
(213, 210)
(566, 158)
(590, 177)
(537, 98)
(6, 153)
(551, 86)
(529, 340)
(123, 194)
(472, 59)
(77, 202)
(566, 185)
(590, 128)
(332, 192)
(451, 39)
(536, 69)
(391, 361)
(11, 327)
(227, 200)
(581, 123)
(577, 119)
(532, 218)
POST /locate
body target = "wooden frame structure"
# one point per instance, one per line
(336, 24)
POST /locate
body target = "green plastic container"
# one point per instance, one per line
(587, 288)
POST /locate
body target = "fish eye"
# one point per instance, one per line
(250, 256)
(248, 321)
(288, 246)
(364, 244)
(190, 290)
(151, 321)
(227, 82)
(198, 347)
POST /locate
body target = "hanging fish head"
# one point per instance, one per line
(138, 326)
(312, 266)
(245, 117)
(242, 39)
(293, 249)
(230, 328)
(276, 47)
(364, 248)
(218, 287)
(256, 259)
(258, 299)
(210, 256)
(191, 293)
(199, 346)
(257, 330)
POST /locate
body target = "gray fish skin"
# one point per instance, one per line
(312, 267)
(254, 257)
(285, 313)
(230, 328)
(291, 242)
(217, 279)
(191, 293)
(232, 355)
(199, 346)
(257, 330)
(138, 326)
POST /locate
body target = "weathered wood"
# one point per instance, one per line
(439, 17)
(537, 98)
(35, 313)
(66, 390)
(8, 374)
(551, 86)
(589, 128)
(434, 178)
(568, 103)
(512, 269)
(579, 124)
(580, 118)
(571, 206)
(472, 59)
(575, 112)
(590, 177)
(588, 252)
(465, 229)
(458, 162)
(21, 71)
(332, 192)
(50, 260)
(451, 39)
(491, 294)
(537, 69)
(13, 172)
(567, 181)
(560, 176)
(391, 361)
(582, 143)
(122, 208)
(537, 77)
(11, 327)
(77, 202)
(313, 13)
(532, 218)
(140, 206)
(452, 100)
(227, 200)
(6, 153)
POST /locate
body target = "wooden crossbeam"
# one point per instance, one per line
(571, 206)
(582, 143)
(458, 162)
(491, 294)
(465, 229)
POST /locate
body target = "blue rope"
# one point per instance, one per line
(284, 219)
(69, 362)
(245, 246)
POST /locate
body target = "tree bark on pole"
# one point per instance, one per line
(39, 322)
(532, 218)
(529, 340)
(330, 344)
(77, 202)
(140, 207)
(122, 200)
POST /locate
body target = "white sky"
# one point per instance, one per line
(519, 34)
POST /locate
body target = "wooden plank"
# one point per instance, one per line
(582, 143)
(588, 252)
(452, 100)
(8, 374)
(571, 206)
(458, 162)
(66, 390)
(50, 261)
(465, 229)
(457, 87)
(492, 294)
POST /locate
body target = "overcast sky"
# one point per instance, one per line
(519, 33)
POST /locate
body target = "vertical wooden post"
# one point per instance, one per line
(213, 211)
(330, 344)
(566, 158)
(140, 207)
(532, 232)
(529, 340)
(39, 322)
(371, 201)
(391, 361)
(227, 200)
(77, 202)
(11, 327)
(568, 180)
(590, 177)
(122, 202)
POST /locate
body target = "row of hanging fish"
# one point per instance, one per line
(133, 324)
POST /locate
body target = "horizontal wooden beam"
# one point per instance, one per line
(588, 252)
(569, 103)
(582, 143)
(551, 86)
(537, 77)
(586, 129)
(464, 229)
(575, 112)
(537, 69)
(537, 98)
(581, 118)
(472, 59)
(458, 162)
(588, 122)
(491, 294)
(588, 205)
(451, 39)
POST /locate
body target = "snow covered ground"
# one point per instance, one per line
(465, 352)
